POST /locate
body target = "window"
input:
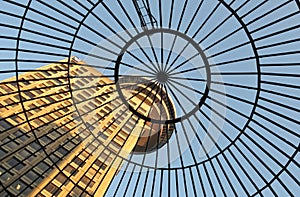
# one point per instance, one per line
(26, 82)
(27, 190)
(47, 73)
(15, 163)
(46, 139)
(7, 88)
(58, 114)
(61, 178)
(80, 83)
(90, 127)
(84, 69)
(16, 118)
(49, 118)
(24, 137)
(40, 102)
(19, 185)
(2, 152)
(65, 109)
(51, 100)
(50, 83)
(64, 66)
(24, 153)
(92, 183)
(79, 71)
(18, 133)
(35, 146)
(39, 76)
(58, 81)
(85, 180)
(78, 161)
(5, 176)
(55, 134)
(75, 86)
(12, 145)
(102, 135)
(16, 98)
(99, 116)
(86, 81)
(57, 68)
(8, 101)
(85, 154)
(43, 166)
(62, 151)
(77, 191)
(31, 175)
(71, 169)
(38, 91)
(92, 171)
(117, 146)
(70, 144)
(91, 147)
(53, 189)
(80, 97)
(100, 164)
(38, 122)
(86, 108)
(31, 158)
(54, 158)
(29, 94)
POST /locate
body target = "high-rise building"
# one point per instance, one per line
(65, 131)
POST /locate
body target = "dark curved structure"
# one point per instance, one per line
(155, 135)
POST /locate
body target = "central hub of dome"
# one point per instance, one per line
(162, 77)
(171, 60)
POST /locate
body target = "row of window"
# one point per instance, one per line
(70, 171)
(19, 162)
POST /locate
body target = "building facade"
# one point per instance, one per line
(65, 132)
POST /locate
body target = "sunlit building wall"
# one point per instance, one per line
(58, 142)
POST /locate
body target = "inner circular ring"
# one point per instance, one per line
(149, 32)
